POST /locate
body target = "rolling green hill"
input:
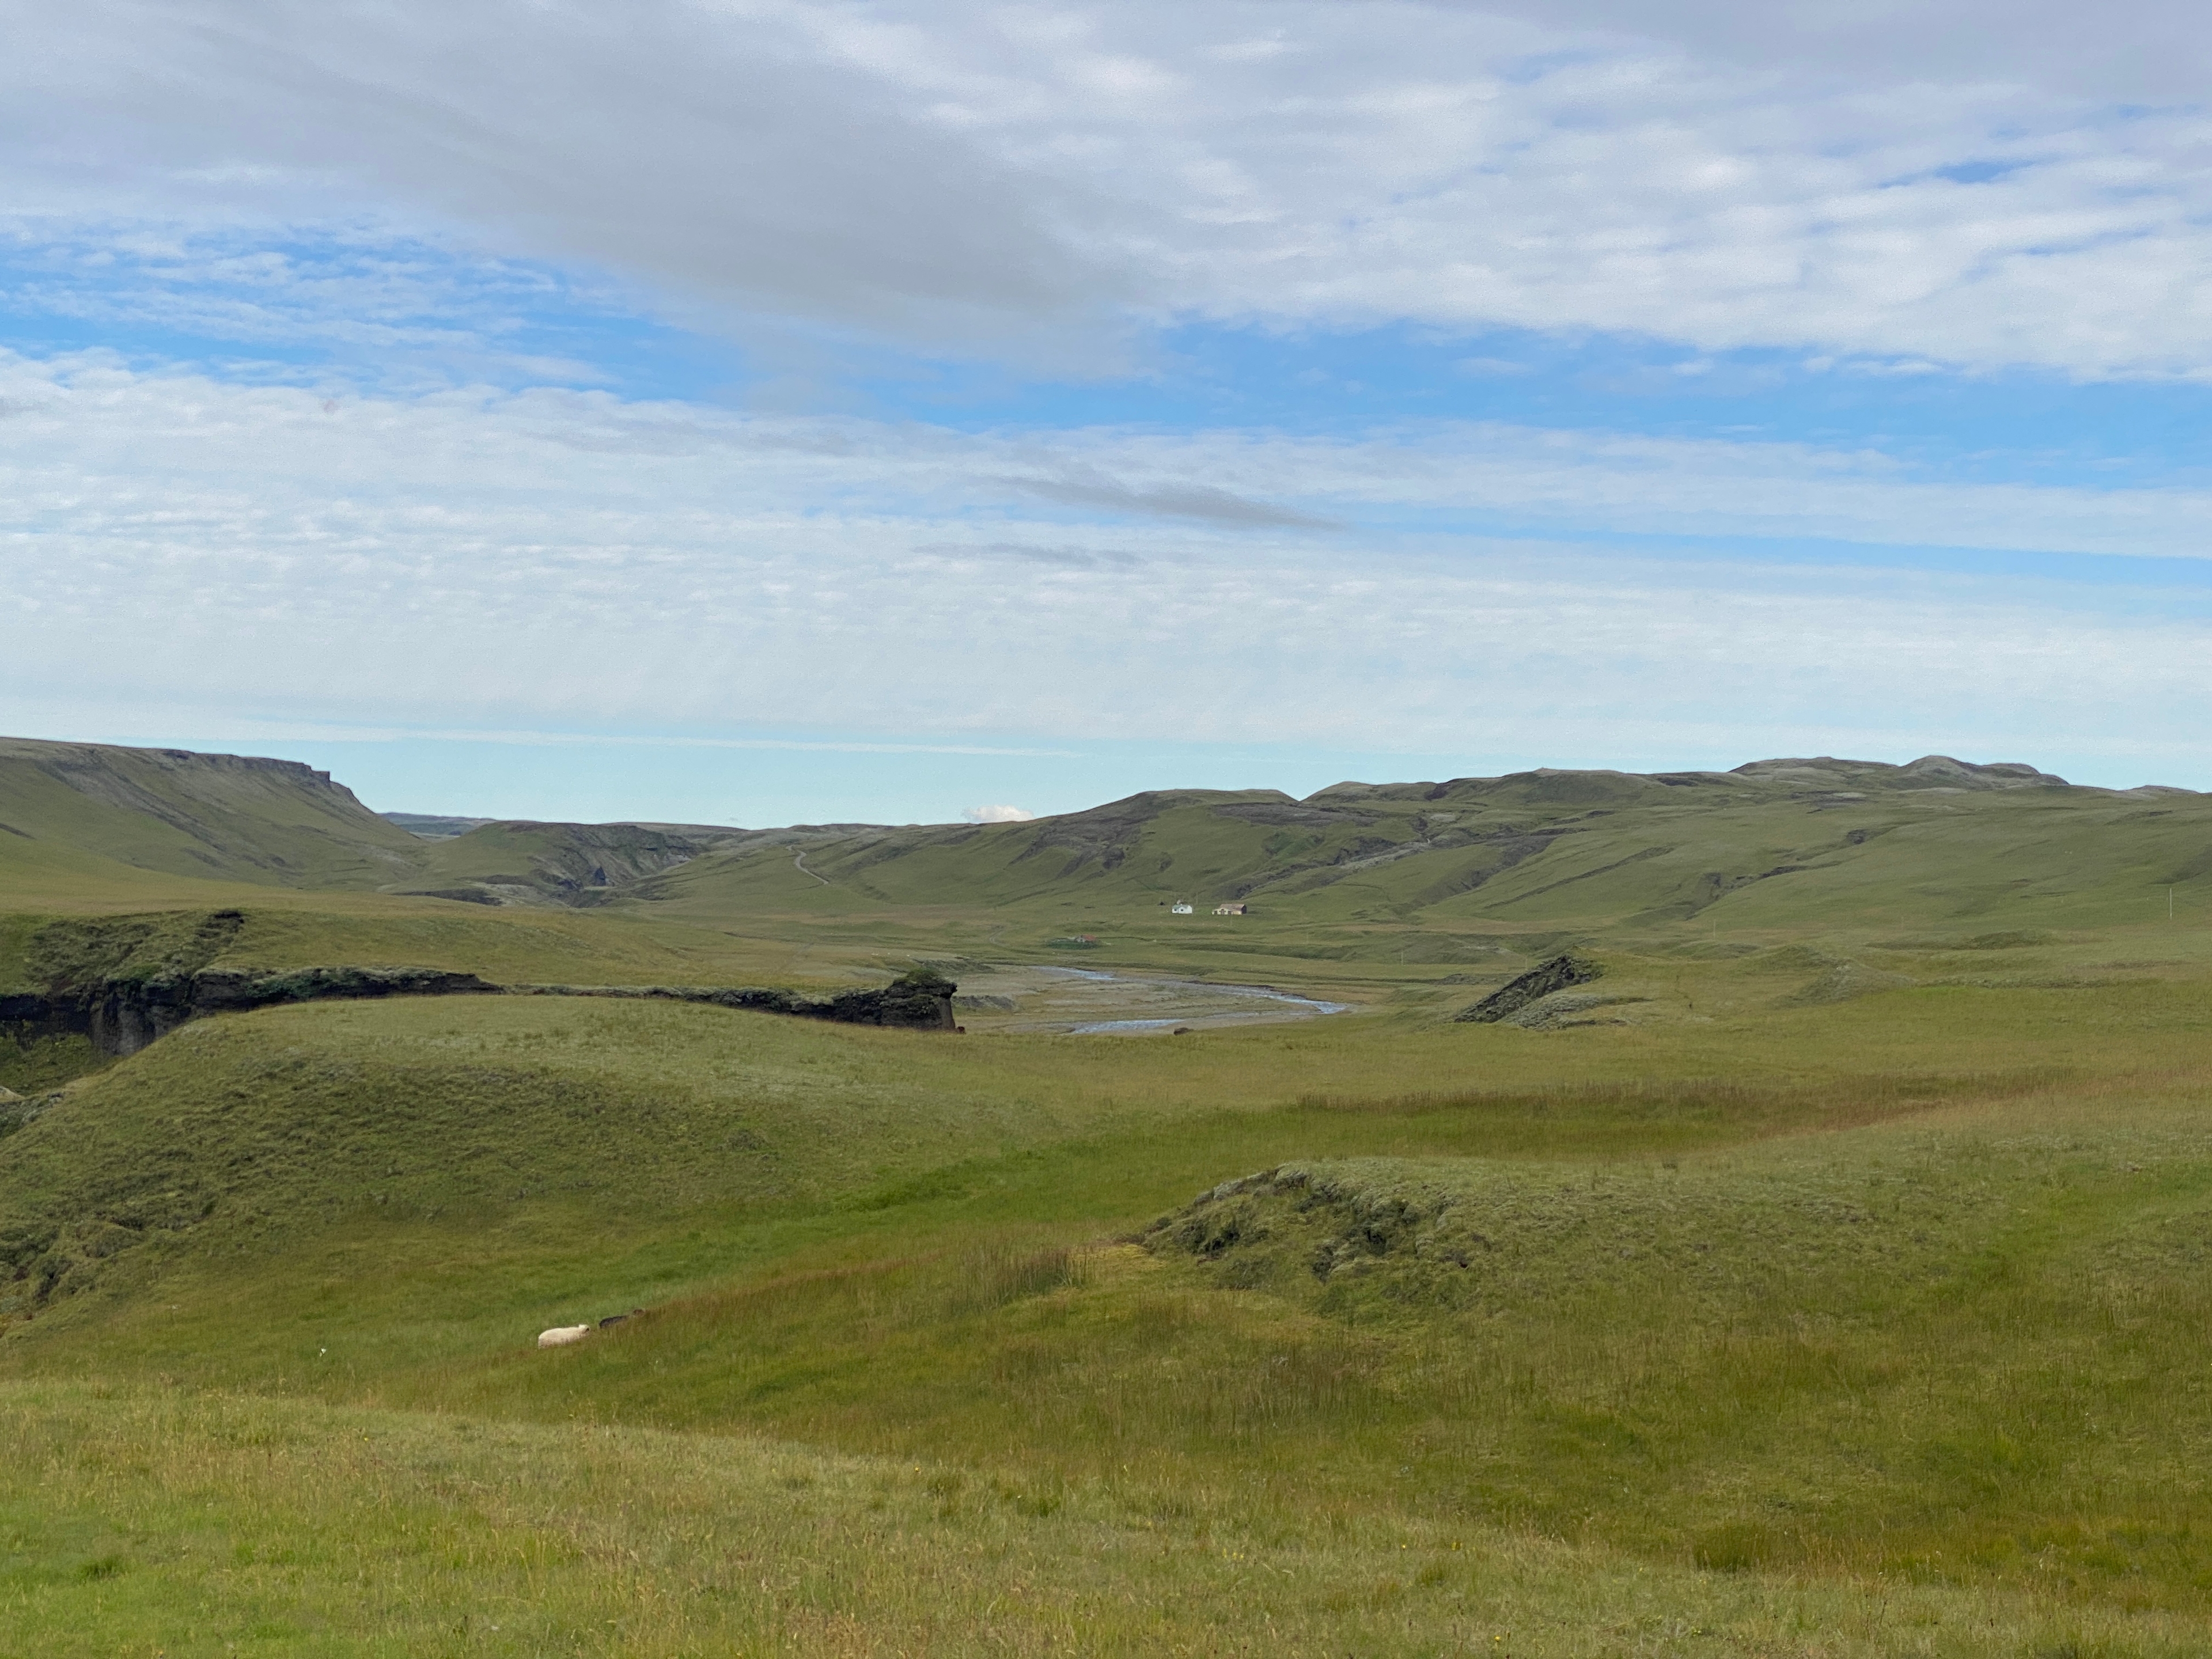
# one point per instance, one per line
(220, 817)
(1357, 871)
(1825, 1277)
(1774, 843)
(71, 813)
(1755, 1316)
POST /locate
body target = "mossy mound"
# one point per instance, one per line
(1366, 1237)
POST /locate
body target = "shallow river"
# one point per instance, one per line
(1086, 1001)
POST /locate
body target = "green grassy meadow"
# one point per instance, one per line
(1833, 1278)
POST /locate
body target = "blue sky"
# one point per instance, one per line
(806, 412)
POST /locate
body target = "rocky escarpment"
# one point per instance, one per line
(917, 1001)
(122, 1016)
(240, 817)
(125, 981)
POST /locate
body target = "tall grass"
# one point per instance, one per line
(1862, 1096)
(1942, 1329)
(142, 1521)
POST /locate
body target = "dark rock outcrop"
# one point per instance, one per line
(122, 1016)
(1545, 977)
(919, 1001)
(124, 981)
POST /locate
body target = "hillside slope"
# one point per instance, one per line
(1832, 1299)
(85, 817)
(1786, 845)
(528, 863)
(1783, 843)
(229, 817)
(1821, 1272)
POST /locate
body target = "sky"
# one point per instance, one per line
(763, 411)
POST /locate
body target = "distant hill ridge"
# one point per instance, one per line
(1784, 842)
(280, 823)
(1657, 845)
(238, 817)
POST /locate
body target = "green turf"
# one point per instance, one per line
(77, 806)
(1397, 874)
(1843, 1291)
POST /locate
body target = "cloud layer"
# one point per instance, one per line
(1957, 183)
(563, 561)
(352, 458)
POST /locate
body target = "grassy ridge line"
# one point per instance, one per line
(263, 822)
(1518, 864)
(1590, 851)
(142, 1521)
(97, 813)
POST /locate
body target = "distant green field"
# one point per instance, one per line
(1830, 1277)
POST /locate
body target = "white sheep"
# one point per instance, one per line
(561, 1335)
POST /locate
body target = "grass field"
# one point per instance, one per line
(147, 1521)
(1841, 1287)
(1871, 1325)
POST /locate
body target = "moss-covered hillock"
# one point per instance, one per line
(1365, 1237)
(1544, 980)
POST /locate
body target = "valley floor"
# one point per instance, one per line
(1773, 1323)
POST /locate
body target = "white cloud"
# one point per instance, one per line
(2145, 51)
(385, 311)
(998, 815)
(1026, 180)
(474, 562)
(723, 151)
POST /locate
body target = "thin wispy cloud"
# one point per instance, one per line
(902, 377)
(205, 460)
(389, 311)
(1064, 556)
(1086, 487)
(435, 558)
